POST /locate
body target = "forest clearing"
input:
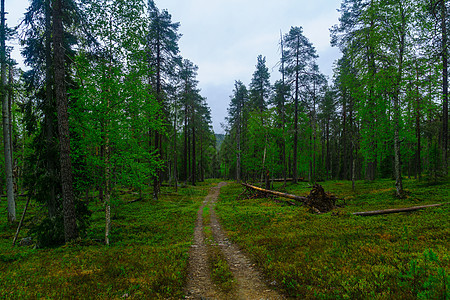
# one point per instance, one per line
(115, 181)
(300, 254)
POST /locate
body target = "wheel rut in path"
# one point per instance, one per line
(248, 281)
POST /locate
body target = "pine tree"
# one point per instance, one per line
(299, 54)
(236, 124)
(163, 51)
(260, 86)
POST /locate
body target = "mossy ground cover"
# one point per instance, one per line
(340, 256)
(147, 257)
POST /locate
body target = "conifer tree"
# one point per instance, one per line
(299, 54)
(260, 86)
(163, 53)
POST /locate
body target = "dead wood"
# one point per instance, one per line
(321, 200)
(279, 194)
(21, 222)
(395, 210)
(318, 200)
(132, 201)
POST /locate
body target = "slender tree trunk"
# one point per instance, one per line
(297, 75)
(344, 141)
(238, 154)
(175, 162)
(70, 224)
(283, 114)
(185, 153)
(398, 170)
(158, 144)
(418, 134)
(444, 86)
(193, 151)
(107, 183)
(6, 123)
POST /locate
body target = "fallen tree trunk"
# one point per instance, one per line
(21, 222)
(279, 194)
(395, 210)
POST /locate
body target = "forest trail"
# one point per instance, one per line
(249, 282)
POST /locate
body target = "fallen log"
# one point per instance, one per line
(132, 201)
(279, 194)
(395, 210)
(21, 222)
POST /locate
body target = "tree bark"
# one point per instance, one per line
(418, 134)
(6, 123)
(70, 224)
(398, 170)
(193, 150)
(396, 210)
(279, 194)
(49, 116)
(444, 86)
(238, 154)
(297, 75)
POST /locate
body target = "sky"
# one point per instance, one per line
(224, 38)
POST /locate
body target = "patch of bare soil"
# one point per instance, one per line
(249, 282)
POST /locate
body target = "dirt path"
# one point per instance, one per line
(249, 283)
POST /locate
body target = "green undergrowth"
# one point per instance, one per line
(341, 256)
(147, 258)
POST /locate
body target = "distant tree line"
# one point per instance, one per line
(385, 114)
(106, 102)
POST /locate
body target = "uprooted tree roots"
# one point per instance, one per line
(321, 200)
(318, 200)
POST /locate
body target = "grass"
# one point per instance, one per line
(148, 256)
(341, 256)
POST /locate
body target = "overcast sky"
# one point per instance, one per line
(225, 37)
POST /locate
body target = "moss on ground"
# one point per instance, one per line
(340, 256)
(148, 256)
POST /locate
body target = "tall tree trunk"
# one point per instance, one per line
(344, 140)
(398, 167)
(238, 154)
(175, 163)
(283, 114)
(193, 150)
(70, 224)
(297, 75)
(107, 184)
(418, 134)
(158, 142)
(444, 86)
(6, 123)
(185, 152)
(49, 116)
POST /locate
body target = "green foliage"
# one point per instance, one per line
(426, 277)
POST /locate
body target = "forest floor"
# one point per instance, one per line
(337, 255)
(288, 249)
(238, 277)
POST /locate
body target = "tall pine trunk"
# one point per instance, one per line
(297, 75)
(398, 166)
(49, 116)
(70, 224)
(6, 123)
(444, 86)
